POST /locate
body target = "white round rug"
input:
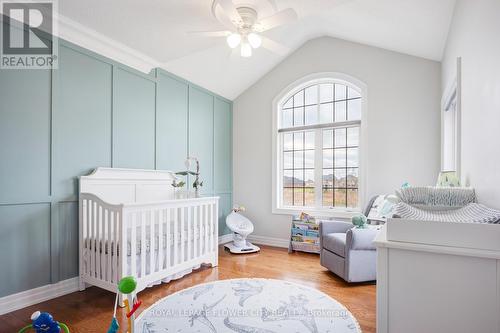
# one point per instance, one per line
(247, 306)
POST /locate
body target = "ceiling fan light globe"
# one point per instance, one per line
(246, 50)
(233, 40)
(254, 40)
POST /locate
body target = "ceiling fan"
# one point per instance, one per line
(245, 27)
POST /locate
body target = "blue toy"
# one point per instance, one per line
(113, 327)
(359, 221)
(43, 322)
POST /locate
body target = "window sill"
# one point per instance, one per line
(335, 213)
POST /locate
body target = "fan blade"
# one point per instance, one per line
(223, 33)
(230, 10)
(280, 18)
(274, 46)
(234, 54)
(226, 22)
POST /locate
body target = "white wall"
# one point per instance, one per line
(403, 122)
(474, 36)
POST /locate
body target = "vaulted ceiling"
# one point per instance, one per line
(157, 32)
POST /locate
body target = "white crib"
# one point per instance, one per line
(131, 223)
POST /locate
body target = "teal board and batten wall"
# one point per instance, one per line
(91, 111)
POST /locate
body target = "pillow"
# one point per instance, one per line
(382, 207)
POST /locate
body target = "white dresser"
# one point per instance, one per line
(438, 277)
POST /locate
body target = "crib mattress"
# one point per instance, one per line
(104, 268)
(103, 244)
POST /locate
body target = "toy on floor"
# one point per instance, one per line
(43, 322)
(241, 228)
(126, 286)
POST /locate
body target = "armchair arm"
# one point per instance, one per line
(361, 239)
(329, 227)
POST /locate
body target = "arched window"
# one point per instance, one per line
(317, 136)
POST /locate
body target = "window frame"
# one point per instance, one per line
(277, 144)
(451, 103)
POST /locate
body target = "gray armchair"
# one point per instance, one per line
(348, 252)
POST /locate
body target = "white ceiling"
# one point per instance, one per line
(158, 30)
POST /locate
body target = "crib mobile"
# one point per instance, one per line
(43, 322)
(127, 287)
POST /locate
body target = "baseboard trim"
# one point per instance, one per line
(37, 295)
(270, 241)
(225, 239)
(41, 294)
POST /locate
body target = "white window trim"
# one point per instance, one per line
(453, 95)
(290, 90)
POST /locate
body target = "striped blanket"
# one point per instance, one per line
(471, 213)
(437, 196)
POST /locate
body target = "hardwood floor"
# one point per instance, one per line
(91, 310)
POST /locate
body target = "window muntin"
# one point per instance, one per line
(340, 167)
(299, 168)
(319, 130)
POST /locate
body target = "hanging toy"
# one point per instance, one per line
(113, 327)
(43, 322)
(127, 286)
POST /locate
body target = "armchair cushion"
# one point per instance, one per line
(335, 243)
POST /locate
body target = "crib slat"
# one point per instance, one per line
(160, 239)
(211, 229)
(133, 242)
(198, 229)
(202, 226)
(176, 237)
(189, 234)
(122, 224)
(89, 237)
(102, 242)
(205, 230)
(114, 261)
(111, 246)
(93, 239)
(109, 240)
(200, 233)
(96, 239)
(82, 235)
(167, 248)
(99, 241)
(195, 231)
(143, 243)
(86, 267)
(152, 236)
(183, 235)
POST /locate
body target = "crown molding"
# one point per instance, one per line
(92, 40)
